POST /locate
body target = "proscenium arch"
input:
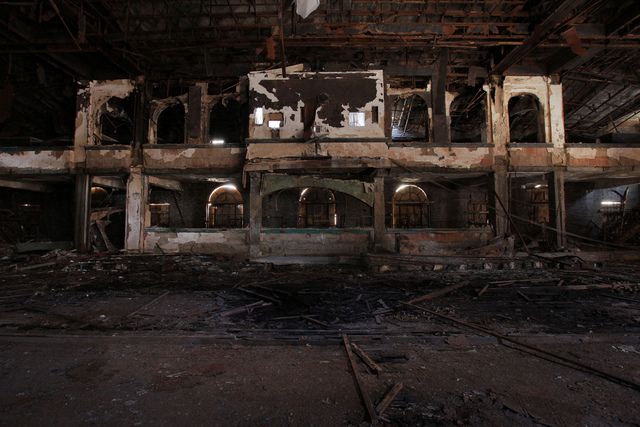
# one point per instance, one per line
(517, 101)
(362, 191)
(228, 212)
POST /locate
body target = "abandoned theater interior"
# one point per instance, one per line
(407, 185)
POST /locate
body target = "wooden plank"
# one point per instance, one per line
(438, 293)
(366, 359)
(372, 416)
(388, 398)
(149, 304)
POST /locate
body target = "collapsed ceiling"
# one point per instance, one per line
(591, 45)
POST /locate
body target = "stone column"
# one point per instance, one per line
(255, 214)
(378, 212)
(136, 216)
(81, 213)
(557, 210)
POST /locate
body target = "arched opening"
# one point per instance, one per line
(225, 208)
(171, 125)
(526, 120)
(116, 121)
(468, 118)
(225, 121)
(317, 208)
(409, 118)
(410, 207)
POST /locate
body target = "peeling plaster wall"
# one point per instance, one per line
(35, 161)
(435, 242)
(231, 242)
(596, 155)
(212, 158)
(275, 242)
(347, 92)
(115, 159)
(425, 155)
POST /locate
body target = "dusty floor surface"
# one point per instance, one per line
(158, 340)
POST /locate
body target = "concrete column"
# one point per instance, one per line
(378, 212)
(501, 193)
(255, 214)
(557, 210)
(136, 216)
(81, 213)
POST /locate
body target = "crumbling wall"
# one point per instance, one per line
(317, 104)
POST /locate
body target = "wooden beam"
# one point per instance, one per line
(167, 184)
(106, 181)
(24, 185)
(568, 10)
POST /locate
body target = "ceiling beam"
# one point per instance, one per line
(167, 184)
(24, 185)
(568, 10)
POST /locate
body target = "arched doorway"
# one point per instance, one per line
(526, 120)
(171, 125)
(410, 207)
(225, 208)
(468, 118)
(317, 208)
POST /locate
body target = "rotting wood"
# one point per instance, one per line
(532, 350)
(147, 305)
(371, 413)
(526, 298)
(259, 295)
(388, 398)
(435, 294)
(366, 359)
(483, 290)
(245, 308)
(316, 321)
(37, 266)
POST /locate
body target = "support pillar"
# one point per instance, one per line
(255, 214)
(557, 210)
(501, 193)
(81, 212)
(438, 99)
(136, 216)
(378, 212)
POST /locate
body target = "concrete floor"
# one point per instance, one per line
(141, 341)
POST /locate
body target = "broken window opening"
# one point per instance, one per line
(171, 125)
(526, 121)
(410, 207)
(468, 119)
(116, 121)
(409, 119)
(477, 212)
(356, 119)
(225, 208)
(225, 121)
(160, 214)
(107, 219)
(317, 208)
